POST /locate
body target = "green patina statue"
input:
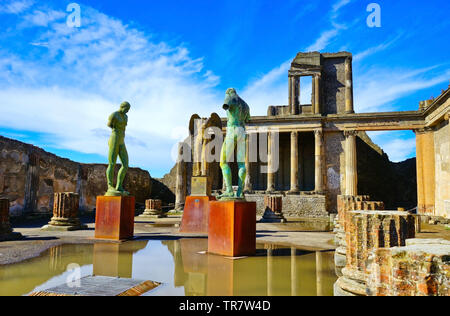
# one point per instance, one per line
(238, 113)
(117, 122)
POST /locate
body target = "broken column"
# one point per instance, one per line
(346, 204)
(153, 209)
(368, 231)
(273, 206)
(422, 268)
(6, 231)
(65, 213)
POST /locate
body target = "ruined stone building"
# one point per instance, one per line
(29, 177)
(324, 150)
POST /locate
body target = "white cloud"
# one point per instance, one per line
(16, 7)
(327, 36)
(324, 39)
(42, 18)
(375, 49)
(81, 75)
(338, 5)
(377, 88)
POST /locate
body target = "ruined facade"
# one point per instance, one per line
(321, 146)
(29, 177)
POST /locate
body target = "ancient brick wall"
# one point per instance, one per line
(422, 268)
(29, 177)
(313, 206)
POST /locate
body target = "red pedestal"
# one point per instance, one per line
(196, 214)
(114, 219)
(232, 228)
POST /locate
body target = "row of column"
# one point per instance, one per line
(319, 159)
(294, 94)
(351, 172)
(351, 169)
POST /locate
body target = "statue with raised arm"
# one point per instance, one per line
(238, 113)
(117, 122)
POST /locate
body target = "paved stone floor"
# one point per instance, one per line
(293, 234)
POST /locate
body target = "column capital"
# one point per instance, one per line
(424, 130)
(447, 116)
(318, 133)
(349, 133)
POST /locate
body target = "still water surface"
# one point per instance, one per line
(181, 267)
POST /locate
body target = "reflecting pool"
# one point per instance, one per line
(183, 268)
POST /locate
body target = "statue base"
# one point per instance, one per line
(63, 225)
(272, 217)
(114, 192)
(228, 199)
(114, 218)
(232, 228)
(152, 214)
(196, 214)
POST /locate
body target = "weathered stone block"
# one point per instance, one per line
(65, 213)
(273, 209)
(153, 209)
(419, 269)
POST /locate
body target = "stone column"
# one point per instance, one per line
(294, 95)
(65, 213)
(294, 163)
(153, 209)
(348, 86)
(180, 181)
(426, 181)
(270, 173)
(319, 161)
(351, 164)
(316, 94)
(248, 180)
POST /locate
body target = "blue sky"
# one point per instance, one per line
(171, 59)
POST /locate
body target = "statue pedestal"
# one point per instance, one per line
(232, 228)
(196, 214)
(114, 219)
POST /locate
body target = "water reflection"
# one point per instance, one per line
(276, 271)
(182, 266)
(115, 260)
